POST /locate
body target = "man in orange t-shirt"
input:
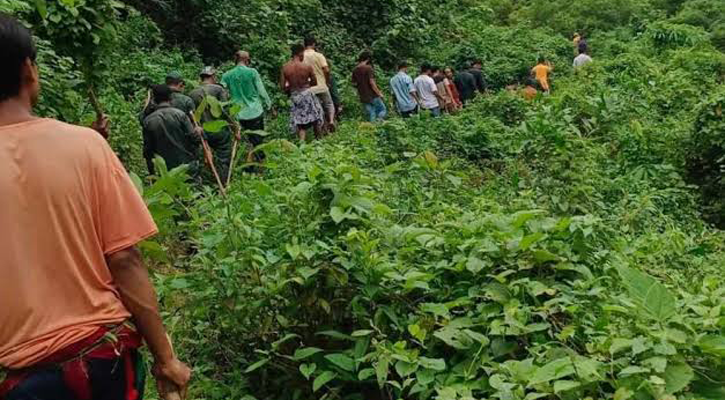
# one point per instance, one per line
(541, 72)
(75, 297)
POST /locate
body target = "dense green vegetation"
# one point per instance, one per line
(565, 248)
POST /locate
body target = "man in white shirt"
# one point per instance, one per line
(321, 68)
(582, 59)
(427, 90)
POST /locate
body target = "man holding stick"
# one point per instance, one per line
(77, 299)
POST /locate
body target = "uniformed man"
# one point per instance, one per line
(220, 142)
(169, 133)
(179, 100)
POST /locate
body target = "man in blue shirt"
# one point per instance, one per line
(406, 97)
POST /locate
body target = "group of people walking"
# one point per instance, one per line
(171, 131)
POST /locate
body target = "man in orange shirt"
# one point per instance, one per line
(541, 72)
(75, 297)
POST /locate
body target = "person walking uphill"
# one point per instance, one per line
(541, 73)
(406, 98)
(296, 80)
(363, 78)
(77, 301)
(168, 133)
(427, 90)
(220, 142)
(179, 100)
(247, 90)
(319, 65)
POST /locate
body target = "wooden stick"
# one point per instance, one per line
(209, 156)
(233, 161)
(171, 392)
(94, 102)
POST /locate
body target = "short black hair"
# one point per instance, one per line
(16, 46)
(477, 62)
(365, 56)
(310, 41)
(297, 49)
(425, 67)
(162, 93)
(402, 64)
(435, 68)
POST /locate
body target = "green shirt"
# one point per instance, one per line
(247, 90)
(168, 132)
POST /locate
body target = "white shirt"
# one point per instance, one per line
(582, 60)
(426, 88)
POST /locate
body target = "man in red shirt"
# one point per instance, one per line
(76, 297)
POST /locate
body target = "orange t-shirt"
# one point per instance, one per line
(66, 202)
(541, 72)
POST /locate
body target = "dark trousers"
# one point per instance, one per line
(107, 379)
(256, 124)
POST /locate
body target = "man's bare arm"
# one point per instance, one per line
(138, 295)
(374, 85)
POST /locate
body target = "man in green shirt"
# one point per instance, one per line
(168, 132)
(220, 142)
(247, 90)
(179, 100)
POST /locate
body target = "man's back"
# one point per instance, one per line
(361, 76)
(582, 60)
(67, 196)
(169, 133)
(478, 79)
(208, 89)
(318, 62)
(466, 85)
(245, 88)
(182, 102)
(298, 75)
(401, 85)
(426, 88)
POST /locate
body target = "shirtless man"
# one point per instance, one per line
(296, 80)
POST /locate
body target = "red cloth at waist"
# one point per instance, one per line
(119, 343)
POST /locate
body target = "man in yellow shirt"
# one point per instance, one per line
(541, 72)
(321, 68)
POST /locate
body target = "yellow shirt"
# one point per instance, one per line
(541, 72)
(318, 62)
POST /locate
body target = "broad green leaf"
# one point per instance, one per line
(362, 332)
(215, 126)
(543, 256)
(475, 265)
(435, 308)
(322, 380)
(214, 106)
(633, 370)
(342, 361)
(335, 335)
(365, 374)
(657, 301)
(563, 386)
(382, 369)
(42, 7)
(554, 370)
(307, 352)
(259, 364)
(337, 214)
(623, 393)
(713, 344)
(405, 369)
(307, 370)
(436, 364)
(425, 376)
(677, 377)
(619, 344)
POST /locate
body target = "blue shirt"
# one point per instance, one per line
(402, 85)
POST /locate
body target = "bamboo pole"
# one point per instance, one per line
(209, 157)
